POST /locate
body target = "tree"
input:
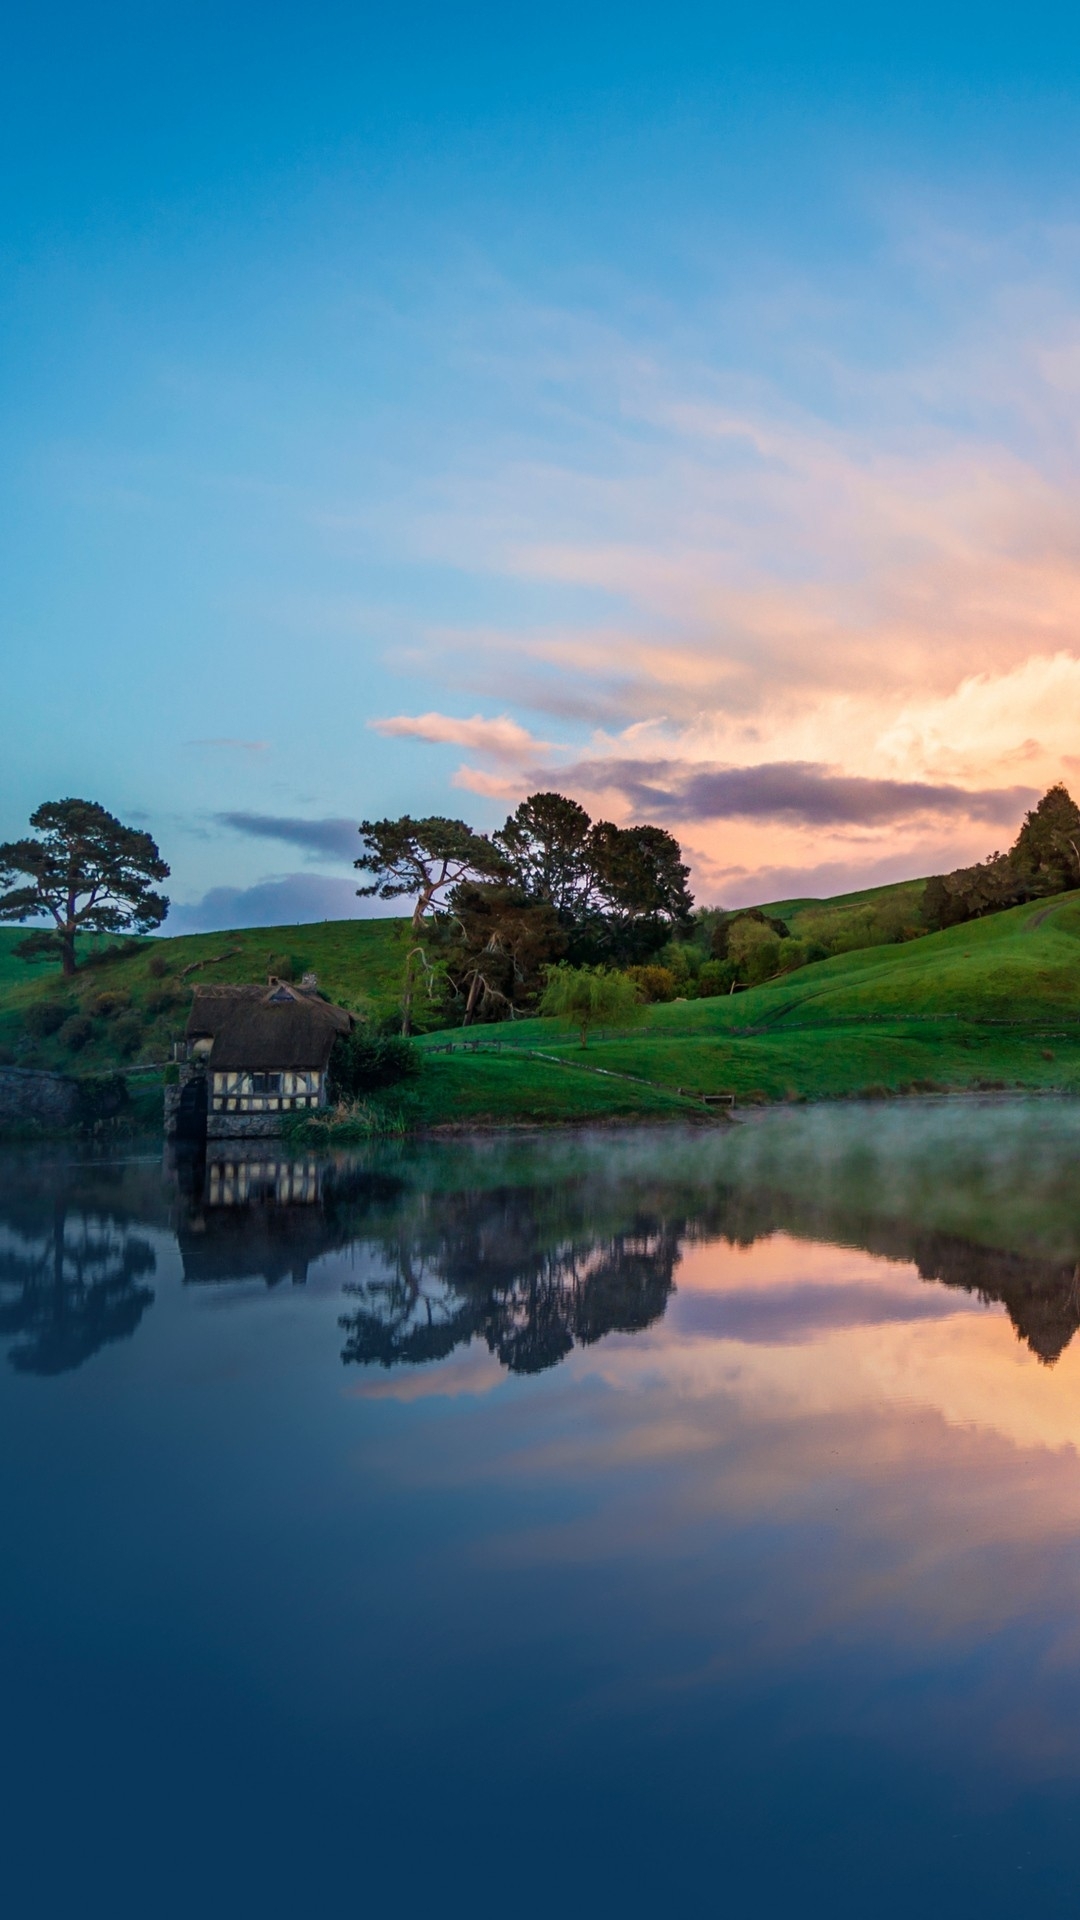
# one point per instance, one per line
(496, 942)
(546, 843)
(423, 857)
(640, 873)
(88, 871)
(618, 891)
(1047, 849)
(427, 858)
(585, 997)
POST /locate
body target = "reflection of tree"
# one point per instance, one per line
(1041, 1296)
(70, 1286)
(518, 1268)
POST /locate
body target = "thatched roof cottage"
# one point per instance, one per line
(253, 1055)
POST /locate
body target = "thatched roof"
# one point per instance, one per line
(276, 1026)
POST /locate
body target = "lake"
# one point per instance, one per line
(626, 1522)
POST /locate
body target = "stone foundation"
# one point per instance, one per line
(244, 1126)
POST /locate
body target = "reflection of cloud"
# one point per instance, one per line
(473, 1370)
(503, 738)
(315, 836)
(287, 900)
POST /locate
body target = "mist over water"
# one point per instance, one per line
(602, 1521)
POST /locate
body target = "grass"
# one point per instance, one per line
(995, 1003)
(134, 1014)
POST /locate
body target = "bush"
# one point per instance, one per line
(164, 999)
(127, 1033)
(715, 977)
(75, 1032)
(363, 1062)
(106, 1005)
(102, 1099)
(47, 1017)
(286, 966)
(654, 984)
(158, 966)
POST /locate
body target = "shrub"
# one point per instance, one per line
(716, 977)
(101, 1099)
(106, 1005)
(47, 1017)
(158, 966)
(75, 1032)
(127, 1033)
(653, 983)
(164, 999)
(363, 1062)
(285, 966)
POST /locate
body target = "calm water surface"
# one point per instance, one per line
(612, 1523)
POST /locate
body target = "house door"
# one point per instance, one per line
(191, 1112)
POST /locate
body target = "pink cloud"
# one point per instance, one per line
(503, 738)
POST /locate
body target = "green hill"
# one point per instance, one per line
(995, 1002)
(129, 1010)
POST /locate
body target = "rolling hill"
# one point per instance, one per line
(993, 1003)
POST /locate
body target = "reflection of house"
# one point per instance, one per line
(235, 1182)
(254, 1054)
(253, 1211)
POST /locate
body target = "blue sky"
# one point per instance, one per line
(402, 412)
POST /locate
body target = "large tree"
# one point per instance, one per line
(546, 842)
(497, 941)
(424, 859)
(640, 874)
(85, 870)
(1047, 848)
(618, 891)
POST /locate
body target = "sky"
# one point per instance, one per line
(406, 409)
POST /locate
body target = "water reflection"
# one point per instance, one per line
(537, 1247)
(73, 1271)
(518, 1268)
(771, 1561)
(244, 1211)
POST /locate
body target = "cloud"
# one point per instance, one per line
(794, 792)
(283, 900)
(737, 886)
(502, 739)
(329, 837)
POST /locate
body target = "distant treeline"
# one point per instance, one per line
(1044, 859)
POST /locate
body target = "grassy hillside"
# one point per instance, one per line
(128, 1011)
(875, 916)
(995, 1002)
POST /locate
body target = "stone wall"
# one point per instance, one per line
(244, 1126)
(50, 1099)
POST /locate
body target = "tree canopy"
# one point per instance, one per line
(425, 858)
(87, 872)
(547, 846)
(618, 891)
